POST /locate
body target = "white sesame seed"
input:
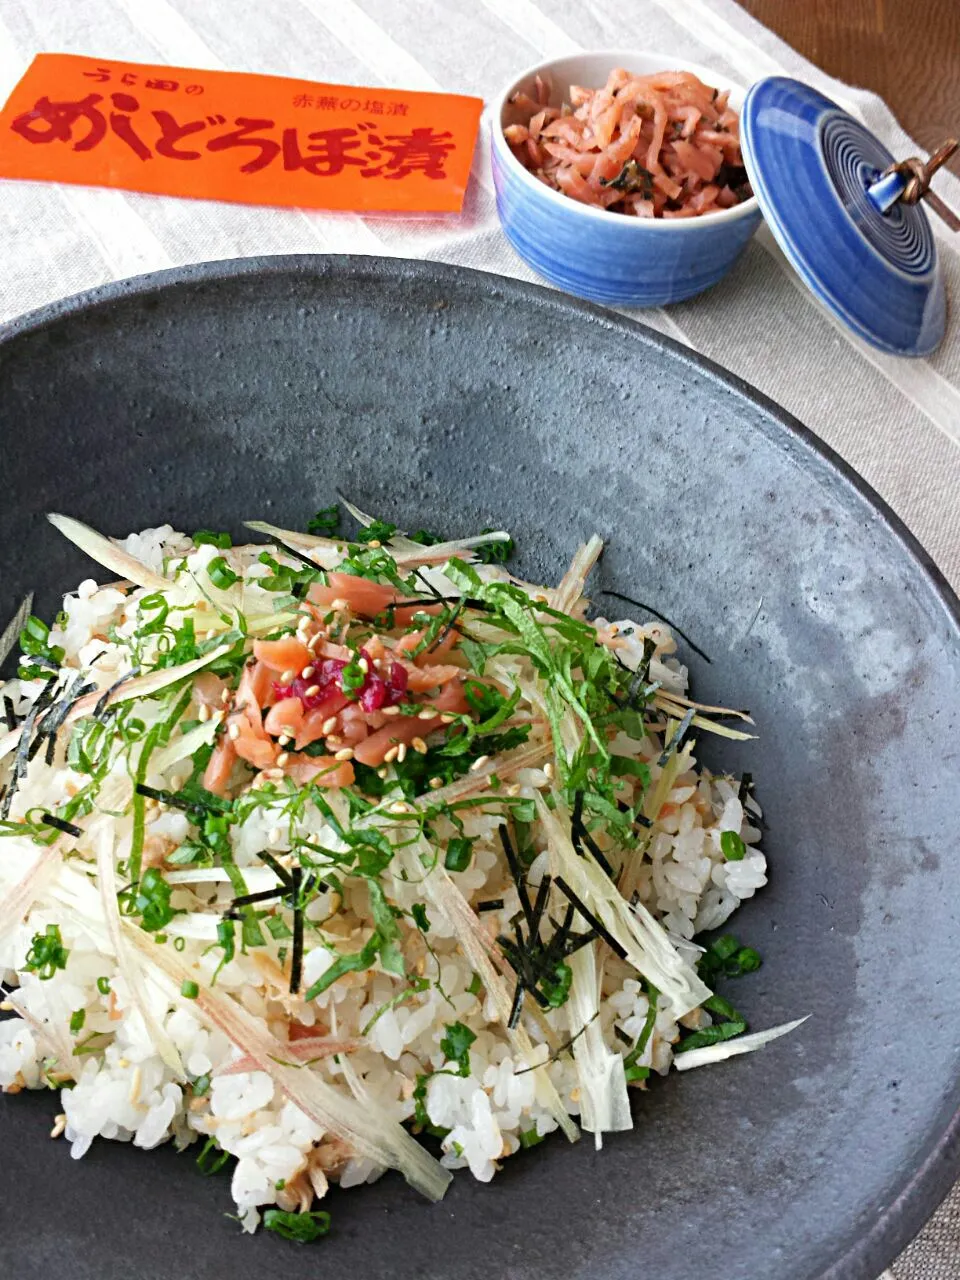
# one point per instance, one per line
(345, 753)
(401, 753)
(306, 673)
(398, 806)
(390, 711)
(375, 543)
(283, 758)
(339, 604)
(59, 1124)
(274, 835)
(234, 731)
(312, 691)
(287, 677)
(123, 1063)
(274, 774)
(513, 789)
(391, 755)
(479, 763)
(225, 696)
(6, 1006)
(427, 715)
(419, 746)
(204, 713)
(135, 1085)
(314, 640)
(549, 770)
(447, 719)
(382, 773)
(436, 783)
(285, 737)
(363, 664)
(328, 726)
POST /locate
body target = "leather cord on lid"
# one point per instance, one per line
(918, 174)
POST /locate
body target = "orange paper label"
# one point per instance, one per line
(222, 135)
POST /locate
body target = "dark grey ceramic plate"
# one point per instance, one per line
(453, 400)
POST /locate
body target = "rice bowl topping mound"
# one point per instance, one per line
(310, 847)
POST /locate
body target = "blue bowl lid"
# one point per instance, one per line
(817, 174)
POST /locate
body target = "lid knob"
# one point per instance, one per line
(909, 181)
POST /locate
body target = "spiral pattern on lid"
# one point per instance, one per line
(854, 159)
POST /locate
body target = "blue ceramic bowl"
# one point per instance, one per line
(593, 253)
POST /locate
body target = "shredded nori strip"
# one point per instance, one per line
(296, 957)
(517, 1007)
(9, 714)
(539, 907)
(590, 918)
(560, 937)
(580, 940)
(674, 743)
(108, 693)
(513, 862)
(168, 797)
(196, 804)
(23, 746)
(490, 904)
(265, 895)
(298, 555)
(618, 595)
(282, 874)
(580, 835)
(448, 627)
(53, 721)
(68, 828)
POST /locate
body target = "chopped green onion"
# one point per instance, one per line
(221, 575)
(77, 1019)
(326, 522)
(301, 1227)
(103, 986)
(211, 1158)
(206, 537)
(189, 989)
(732, 847)
(47, 953)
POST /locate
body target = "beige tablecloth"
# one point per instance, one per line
(896, 421)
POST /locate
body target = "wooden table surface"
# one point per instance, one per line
(907, 51)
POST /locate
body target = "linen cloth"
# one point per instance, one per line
(896, 421)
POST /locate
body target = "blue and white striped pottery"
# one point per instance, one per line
(609, 257)
(817, 175)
